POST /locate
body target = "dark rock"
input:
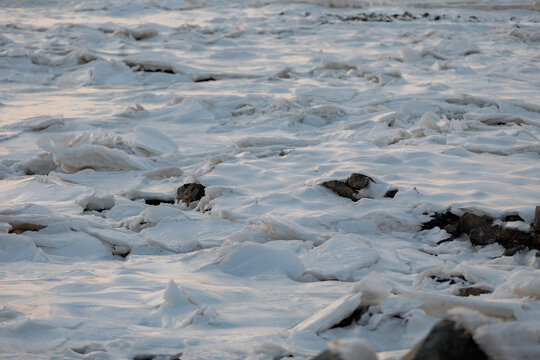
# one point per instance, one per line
(536, 223)
(358, 181)
(340, 188)
(353, 318)
(188, 193)
(513, 217)
(446, 341)
(19, 228)
(511, 237)
(447, 221)
(472, 291)
(469, 222)
(328, 355)
(391, 193)
(483, 235)
(512, 251)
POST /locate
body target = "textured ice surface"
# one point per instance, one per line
(108, 106)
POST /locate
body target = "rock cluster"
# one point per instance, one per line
(484, 230)
(354, 183)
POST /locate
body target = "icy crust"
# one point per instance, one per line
(110, 106)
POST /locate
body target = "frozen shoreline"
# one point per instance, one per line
(107, 107)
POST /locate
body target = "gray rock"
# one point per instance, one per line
(483, 235)
(358, 181)
(391, 193)
(446, 341)
(469, 222)
(188, 193)
(511, 238)
(340, 188)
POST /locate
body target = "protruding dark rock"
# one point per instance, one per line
(483, 235)
(446, 341)
(358, 181)
(472, 291)
(512, 251)
(536, 223)
(446, 221)
(391, 193)
(511, 237)
(340, 188)
(19, 228)
(188, 193)
(469, 222)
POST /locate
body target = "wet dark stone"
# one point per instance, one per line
(437, 18)
(512, 251)
(483, 235)
(472, 291)
(358, 181)
(188, 193)
(510, 238)
(443, 221)
(353, 318)
(469, 222)
(340, 188)
(446, 341)
(391, 193)
(22, 227)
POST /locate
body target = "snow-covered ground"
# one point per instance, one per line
(107, 103)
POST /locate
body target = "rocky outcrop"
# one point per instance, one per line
(484, 230)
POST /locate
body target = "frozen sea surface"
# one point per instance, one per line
(107, 107)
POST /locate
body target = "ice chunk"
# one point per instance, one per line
(279, 228)
(153, 141)
(18, 248)
(330, 315)
(252, 259)
(339, 257)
